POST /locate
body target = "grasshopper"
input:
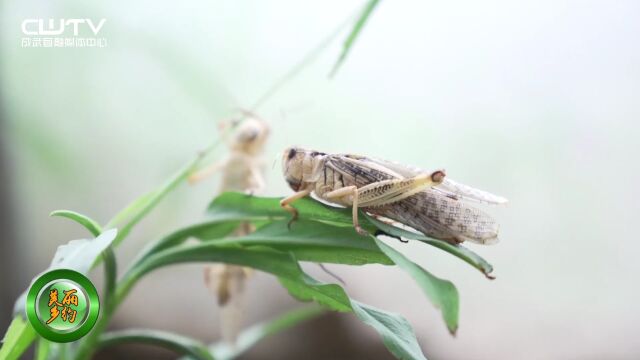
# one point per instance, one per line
(426, 201)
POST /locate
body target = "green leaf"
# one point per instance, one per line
(249, 337)
(353, 35)
(459, 251)
(397, 334)
(43, 349)
(329, 295)
(280, 264)
(237, 206)
(442, 293)
(17, 338)
(299, 284)
(212, 229)
(178, 343)
(315, 241)
(78, 255)
(94, 228)
(127, 219)
(286, 268)
(110, 272)
(139, 208)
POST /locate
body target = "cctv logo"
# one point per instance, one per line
(62, 33)
(29, 26)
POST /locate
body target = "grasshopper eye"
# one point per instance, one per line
(291, 154)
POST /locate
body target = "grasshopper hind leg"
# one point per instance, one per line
(353, 192)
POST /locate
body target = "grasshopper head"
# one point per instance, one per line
(299, 165)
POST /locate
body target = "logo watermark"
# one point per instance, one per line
(62, 305)
(62, 33)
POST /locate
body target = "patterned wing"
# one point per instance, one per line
(449, 188)
(433, 212)
(441, 217)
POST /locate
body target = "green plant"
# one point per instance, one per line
(322, 234)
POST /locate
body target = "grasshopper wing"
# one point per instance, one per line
(451, 188)
(448, 187)
(432, 212)
(441, 217)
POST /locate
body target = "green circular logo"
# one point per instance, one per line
(62, 305)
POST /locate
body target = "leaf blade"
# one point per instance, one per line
(17, 339)
(277, 263)
(368, 9)
(442, 293)
(254, 334)
(315, 241)
(397, 334)
(94, 228)
(178, 343)
(237, 206)
(458, 251)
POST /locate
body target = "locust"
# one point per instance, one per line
(426, 201)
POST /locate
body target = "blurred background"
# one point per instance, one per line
(536, 101)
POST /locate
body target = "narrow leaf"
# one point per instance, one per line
(255, 333)
(17, 338)
(442, 293)
(78, 255)
(110, 272)
(140, 207)
(459, 251)
(239, 206)
(211, 229)
(178, 343)
(280, 264)
(397, 334)
(43, 349)
(329, 295)
(94, 228)
(315, 241)
(357, 28)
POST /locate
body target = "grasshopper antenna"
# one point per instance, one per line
(275, 160)
(332, 274)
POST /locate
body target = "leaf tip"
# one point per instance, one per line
(56, 213)
(453, 331)
(489, 276)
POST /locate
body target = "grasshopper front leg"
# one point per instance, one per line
(286, 204)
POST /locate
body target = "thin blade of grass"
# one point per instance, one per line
(357, 29)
